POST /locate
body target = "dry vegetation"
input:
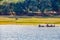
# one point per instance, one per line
(28, 21)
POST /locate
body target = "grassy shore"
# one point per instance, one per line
(29, 21)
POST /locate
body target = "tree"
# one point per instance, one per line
(0, 0)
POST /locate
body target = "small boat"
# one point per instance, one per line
(47, 25)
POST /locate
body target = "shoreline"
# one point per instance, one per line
(29, 21)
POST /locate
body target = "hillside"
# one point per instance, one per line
(31, 6)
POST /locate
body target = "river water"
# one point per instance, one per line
(18, 32)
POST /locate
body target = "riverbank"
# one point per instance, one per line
(29, 21)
